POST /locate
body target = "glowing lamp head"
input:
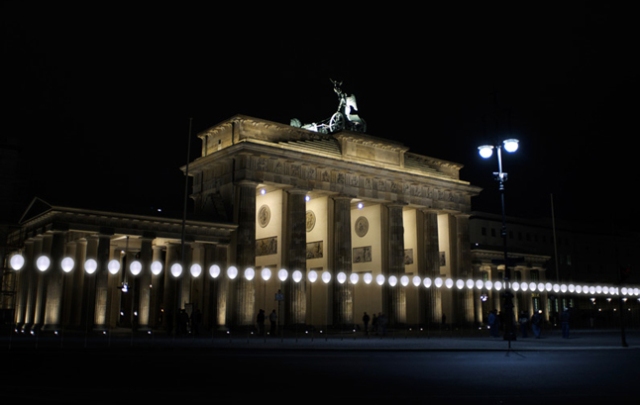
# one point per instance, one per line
(156, 268)
(113, 266)
(135, 267)
(43, 263)
(510, 145)
(326, 277)
(67, 264)
(485, 151)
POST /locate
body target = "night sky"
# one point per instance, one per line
(99, 98)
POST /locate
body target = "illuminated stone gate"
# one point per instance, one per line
(344, 203)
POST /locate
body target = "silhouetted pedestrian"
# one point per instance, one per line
(273, 318)
(374, 324)
(365, 322)
(523, 320)
(260, 321)
(564, 319)
(536, 323)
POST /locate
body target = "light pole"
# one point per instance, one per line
(510, 145)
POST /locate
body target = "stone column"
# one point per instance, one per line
(169, 303)
(462, 269)
(144, 280)
(295, 249)
(397, 297)
(41, 287)
(89, 298)
(68, 286)
(342, 261)
(244, 290)
(25, 285)
(54, 276)
(221, 287)
(79, 296)
(429, 299)
(102, 299)
(157, 288)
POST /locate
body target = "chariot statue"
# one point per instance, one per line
(346, 117)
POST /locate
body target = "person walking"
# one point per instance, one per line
(564, 319)
(523, 320)
(365, 322)
(536, 323)
(494, 323)
(374, 324)
(260, 321)
(273, 318)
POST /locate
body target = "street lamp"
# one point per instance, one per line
(486, 151)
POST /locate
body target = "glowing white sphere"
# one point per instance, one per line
(578, 289)
(353, 278)
(548, 286)
(249, 273)
(156, 268)
(296, 275)
(195, 270)
(460, 284)
(427, 282)
(556, 287)
(404, 280)
(67, 264)
(571, 288)
(232, 272)
(438, 282)
(113, 266)
(380, 279)
(540, 287)
(283, 274)
(214, 271)
(326, 277)
(563, 288)
(524, 286)
(135, 267)
(448, 283)
(497, 285)
(17, 261)
(393, 280)
(416, 280)
(488, 285)
(176, 270)
(266, 274)
(479, 284)
(312, 276)
(599, 289)
(43, 263)
(515, 285)
(90, 266)
(623, 290)
(605, 289)
(341, 277)
(368, 278)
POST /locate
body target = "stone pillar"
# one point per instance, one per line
(156, 290)
(397, 297)
(54, 276)
(102, 299)
(89, 299)
(429, 299)
(244, 290)
(79, 293)
(169, 303)
(68, 286)
(144, 280)
(221, 288)
(41, 287)
(184, 281)
(294, 227)
(25, 285)
(342, 261)
(462, 269)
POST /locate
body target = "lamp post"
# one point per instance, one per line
(486, 151)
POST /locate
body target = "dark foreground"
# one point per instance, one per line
(586, 369)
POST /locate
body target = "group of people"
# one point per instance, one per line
(536, 320)
(378, 324)
(273, 320)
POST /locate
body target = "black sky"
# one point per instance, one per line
(102, 94)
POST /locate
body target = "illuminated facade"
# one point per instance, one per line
(268, 196)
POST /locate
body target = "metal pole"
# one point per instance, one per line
(507, 307)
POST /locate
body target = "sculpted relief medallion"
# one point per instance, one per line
(264, 216)
(311, 220)
(362, 226)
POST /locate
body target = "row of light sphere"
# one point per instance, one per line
(43, 263)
